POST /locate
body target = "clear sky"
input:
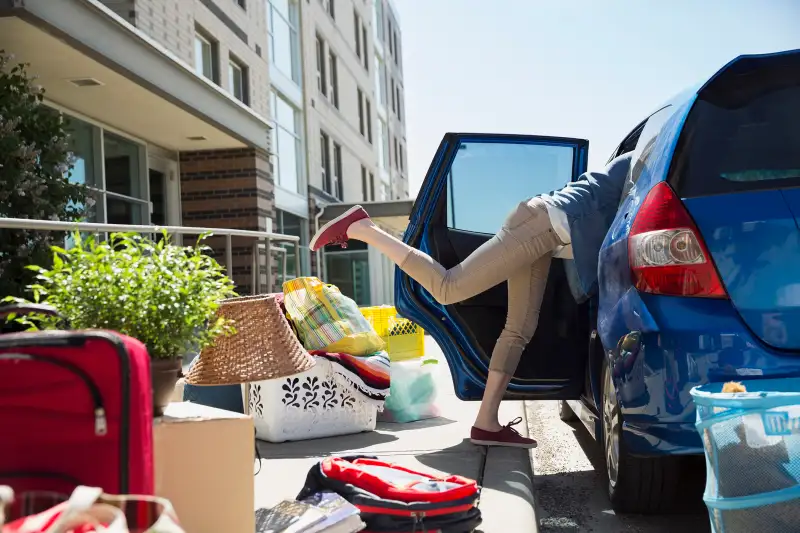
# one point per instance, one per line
(580, 68)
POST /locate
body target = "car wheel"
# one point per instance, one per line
(565, 412)
(640, 485)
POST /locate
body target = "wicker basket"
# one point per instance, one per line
(263, 347)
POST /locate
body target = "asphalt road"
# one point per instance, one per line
(569, 484)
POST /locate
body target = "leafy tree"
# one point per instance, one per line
(35, 163)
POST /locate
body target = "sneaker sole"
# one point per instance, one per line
(313, 244)
(503, 444)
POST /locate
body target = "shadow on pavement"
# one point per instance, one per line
(323, 447)
(507, 469)
(464, 459)
(396, 427)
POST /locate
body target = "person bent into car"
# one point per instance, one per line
(572, 221)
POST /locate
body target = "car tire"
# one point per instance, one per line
(565, 412)
(636, 485)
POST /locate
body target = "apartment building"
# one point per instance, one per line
(246, 114)
(336, 125)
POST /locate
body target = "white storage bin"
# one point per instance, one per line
(314, 404)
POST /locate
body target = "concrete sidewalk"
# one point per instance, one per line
(440, 444)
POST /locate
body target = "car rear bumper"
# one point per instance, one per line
(694, 341)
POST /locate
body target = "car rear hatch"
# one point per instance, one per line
(737, 170)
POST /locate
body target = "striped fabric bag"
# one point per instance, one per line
(327, 320)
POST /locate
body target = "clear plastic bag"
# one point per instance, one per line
(413, 391)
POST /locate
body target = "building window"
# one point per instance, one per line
(377, 20)
(364, 188)
(284, 41)
(395, 49)
(322, 78)
(333, 77)
(242, 3)
(400, 158)
(238, 80)
(362, 44)
(394, 101)
(362, 123)
(290, 224)
(372, 186)
(337, 171)
(325, 162)
(115, 171)
(329, 7)
(205, 56)
(399, 103)
(368, 110)
(389, 32)
(383, 144)
(364, 116)
(357, 30)
(396, 155)
(287, 151)
(380, 81)
(124, 189)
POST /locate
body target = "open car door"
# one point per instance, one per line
(473, 182)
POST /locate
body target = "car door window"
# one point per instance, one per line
(487, 179)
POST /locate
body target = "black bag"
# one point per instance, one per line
(394, 499)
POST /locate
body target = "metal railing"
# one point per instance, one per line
(262, 240)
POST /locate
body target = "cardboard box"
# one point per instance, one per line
(205, 465)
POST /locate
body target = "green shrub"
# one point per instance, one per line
(35, 162)
(164, 295)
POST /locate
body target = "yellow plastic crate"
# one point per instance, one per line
(404, 339)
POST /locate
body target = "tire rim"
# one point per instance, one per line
(611, 428)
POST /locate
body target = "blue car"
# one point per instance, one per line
(699, 275)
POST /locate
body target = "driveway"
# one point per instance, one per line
(569, 483)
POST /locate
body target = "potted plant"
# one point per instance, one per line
(165, 296)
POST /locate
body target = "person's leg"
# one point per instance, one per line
(525, 238)
(525, 293)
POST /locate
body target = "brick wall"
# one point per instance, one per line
(229, 189)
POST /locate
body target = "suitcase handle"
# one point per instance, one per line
(27, 309)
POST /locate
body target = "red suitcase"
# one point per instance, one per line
(75, 409)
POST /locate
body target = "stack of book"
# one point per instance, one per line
(324, 512)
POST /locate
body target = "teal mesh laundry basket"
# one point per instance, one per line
(752, 448)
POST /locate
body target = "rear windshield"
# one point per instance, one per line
(743, 133)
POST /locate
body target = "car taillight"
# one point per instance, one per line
(667, 255)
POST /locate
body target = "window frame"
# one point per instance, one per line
(364, 195)
(357, 31)
(337, 171)
(456, 209)
(297, 134)
(322, 65)
(294, 37)
(333, 78)
(325, 162)
(244, 73)
(329, 6)
(368, 114)
(213, 46)
(362, 124)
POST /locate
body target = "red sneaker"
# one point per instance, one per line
(335, 231)
(508, 436)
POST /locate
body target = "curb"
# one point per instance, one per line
(507, 501)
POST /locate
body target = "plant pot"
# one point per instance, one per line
(164, 374)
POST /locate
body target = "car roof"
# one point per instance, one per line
(691, 92)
